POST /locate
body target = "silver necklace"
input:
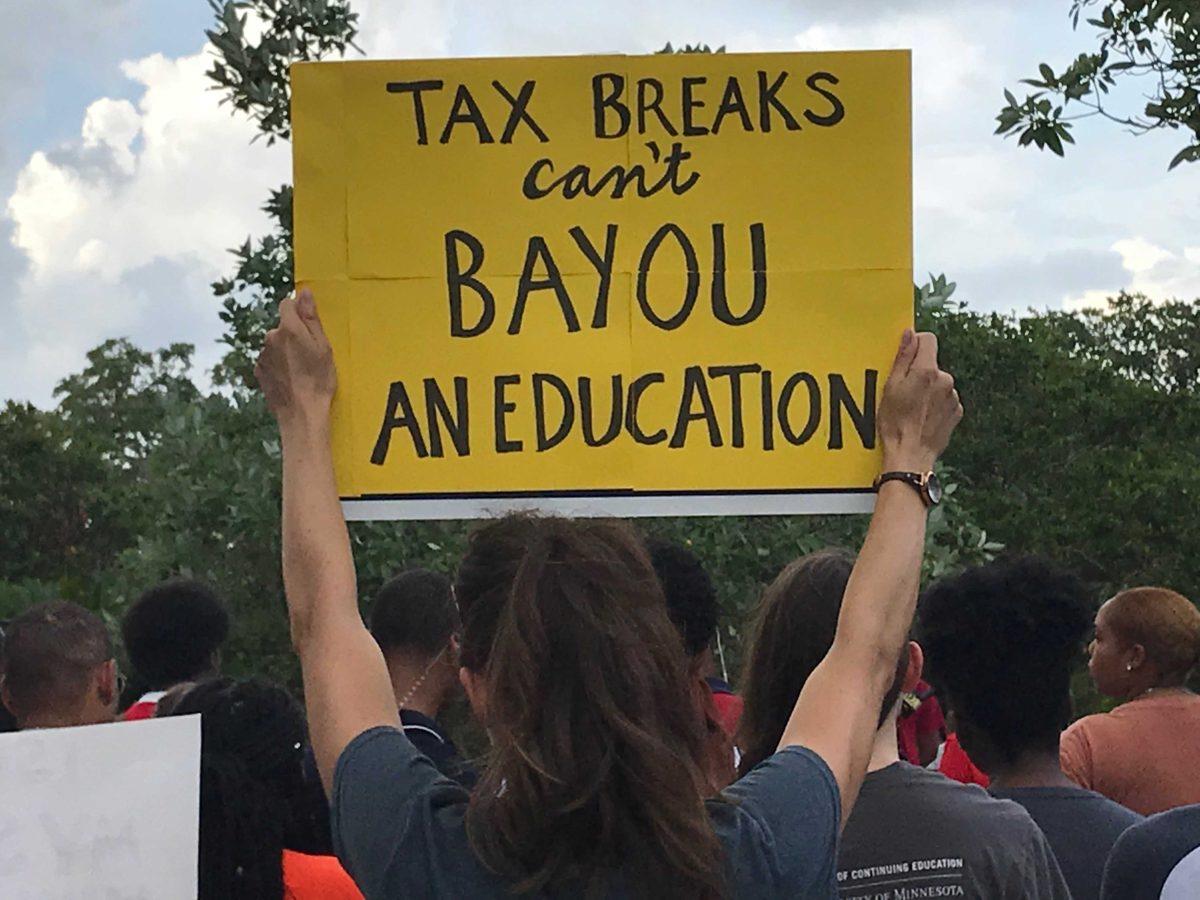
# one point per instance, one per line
(416, 686)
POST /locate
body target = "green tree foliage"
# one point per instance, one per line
(64, 512)
(1154, 43)
(1076, 439)
(49, 500)
(262, 278)
(116, 403)
(253, 73)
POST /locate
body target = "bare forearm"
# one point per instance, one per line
(318, 568)
(346, 687)
(837, 713)
(881, 595)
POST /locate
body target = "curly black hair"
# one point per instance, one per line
(254, 798)
(1000, 642)
(691, 596)
(172, 632)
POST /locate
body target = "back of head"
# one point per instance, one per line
(251, 783)
(793, 631)
(415, 614)
(689, 591)
(173, 632)
(1000, 642)
(1165, 623)
(51, 655)
(596, 744)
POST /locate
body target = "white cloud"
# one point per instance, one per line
(949, 62)
(1139, 256)
(1159, 273)
(113, 124)
(406, 29)
(124, 229)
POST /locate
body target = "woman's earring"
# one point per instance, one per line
(1129, 667)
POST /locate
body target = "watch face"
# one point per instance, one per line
(933, 488)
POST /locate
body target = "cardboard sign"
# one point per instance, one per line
(101, 811)
(617, 285)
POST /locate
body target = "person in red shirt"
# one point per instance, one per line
(921, 727)
(692, 605)
(173, 634)
(727, 705)
(954, 763)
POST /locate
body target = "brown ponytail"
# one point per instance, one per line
(595, 741)
(792, 632)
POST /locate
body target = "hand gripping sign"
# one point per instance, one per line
(618, 285)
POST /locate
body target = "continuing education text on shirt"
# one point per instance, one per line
(915, 834)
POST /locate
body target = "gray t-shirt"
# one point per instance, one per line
(1081, 827)
(916, 834)
(398, 826)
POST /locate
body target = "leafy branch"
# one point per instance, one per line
(253, 74)
(1156, 42)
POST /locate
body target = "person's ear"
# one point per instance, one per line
(476, 691)
(916, 666)
(455, 649)
(6, 695)
(106, 683)
(1135, 658)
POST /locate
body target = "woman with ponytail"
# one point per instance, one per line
(595, 782)
(255, 803)
(571, 661)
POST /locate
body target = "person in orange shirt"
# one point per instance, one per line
(254, 799)
(1145, 754)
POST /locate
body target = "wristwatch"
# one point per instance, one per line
(927, 485)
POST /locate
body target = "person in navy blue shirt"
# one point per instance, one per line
(414, 619)
(1002, 641)
(1157, 859)
(570, 661)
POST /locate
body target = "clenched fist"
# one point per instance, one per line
(919, 409)
(295, 368)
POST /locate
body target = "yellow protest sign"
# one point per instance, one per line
(650, 285)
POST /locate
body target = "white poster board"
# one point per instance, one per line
(106, 811)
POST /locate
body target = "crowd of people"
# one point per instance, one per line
(883, 742)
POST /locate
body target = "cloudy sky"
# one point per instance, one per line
(123, 182)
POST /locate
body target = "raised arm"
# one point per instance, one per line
(346, 686)
(837, 712)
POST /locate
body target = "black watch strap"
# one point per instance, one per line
(913, 479)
